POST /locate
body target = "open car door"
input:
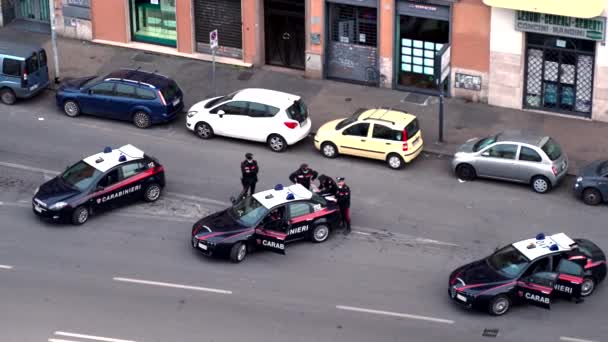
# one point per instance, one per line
(270, 240)
(570, 278)
(537, 289)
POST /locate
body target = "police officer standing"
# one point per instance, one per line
(343, 197)
(249, 174)
(304, 175)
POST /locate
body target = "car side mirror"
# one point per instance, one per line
(221, 113)
(485, 154)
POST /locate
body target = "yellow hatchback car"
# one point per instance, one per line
(383, 134)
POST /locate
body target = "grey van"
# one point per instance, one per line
(23, 71)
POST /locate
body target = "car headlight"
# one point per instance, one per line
(579, 179)
(191, 113)
(58, 206)
(36, 191)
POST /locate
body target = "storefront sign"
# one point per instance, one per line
(589, 29)
(213, 40)
(79, 3)
(469, 82)
(578, 9)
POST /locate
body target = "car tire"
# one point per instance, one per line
(320, 233)
(587, 287)
(142, 120)
(7, 96)
(152, 193)
(329, 150)
(238, 252)
(540, 184)
(592, 196)
(466, 172)
(203, 130)
(80, 215)
(71, 108)
(499, 305)
(394, 161)
(277, 143)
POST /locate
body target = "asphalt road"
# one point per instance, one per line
(130, 275)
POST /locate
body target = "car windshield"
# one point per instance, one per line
(508, 261)
(552, 149)
(80, 176)
(482, 143)
(169, 91)
(298, 111)
(248, 211)
(220, 99)
(318, 199)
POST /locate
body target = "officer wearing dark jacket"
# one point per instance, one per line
(327, 186)
(249, 174)
(343, 197)
(304, 175)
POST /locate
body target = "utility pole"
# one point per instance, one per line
(54, 40)
(213, 44)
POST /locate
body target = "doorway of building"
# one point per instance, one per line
(285, 33)
(34, 10)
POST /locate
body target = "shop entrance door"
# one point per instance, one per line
(285, 33)
(35, 10)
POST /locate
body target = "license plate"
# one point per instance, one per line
(176, 102)
(461, 297)
(37, 208)
(202, 246)
(34, 87)
(416, 141)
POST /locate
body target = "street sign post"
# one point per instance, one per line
(213, 44)
(442, 72)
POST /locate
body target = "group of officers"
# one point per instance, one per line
(304, 175)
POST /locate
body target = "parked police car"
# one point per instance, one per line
(101, 181)
(534, 271)
(268, 220)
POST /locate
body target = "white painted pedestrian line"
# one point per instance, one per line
(362, 233)
(6, 267)
(461, 181)
(573, 339)
(28, 168)
(394, 314)
(60, 340)
(89, 337)
(197, 199)
(172, 285)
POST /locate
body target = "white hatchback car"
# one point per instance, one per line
(263, 115)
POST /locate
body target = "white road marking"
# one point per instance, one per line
(6, 267)
(177, 286)
(362, 233)
(40, 119)
(28, 168)
(461, 181)
(198, 199)
(394, 314)
(90, 337)
(573, 339)
(60, 340)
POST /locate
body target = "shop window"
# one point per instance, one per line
(153, 21)
(354, 25)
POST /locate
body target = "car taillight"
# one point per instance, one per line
(554, 170)
(162, 98)
(291, 124)
(405, 147)
(24, 79)
(160, 168)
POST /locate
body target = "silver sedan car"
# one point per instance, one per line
(516, 157)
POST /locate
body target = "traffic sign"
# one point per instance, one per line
(213, 39)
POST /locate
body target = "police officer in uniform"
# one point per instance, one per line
(304, 175)
(249, 174)
(327, 186)
(343, 197)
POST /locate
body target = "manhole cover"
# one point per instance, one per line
(419, 99)
(245, 76)
(143, 57)
(490, 332)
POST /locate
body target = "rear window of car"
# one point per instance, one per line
(412, 128)
(31, 63)
(169, 91)
(298, 111)
(11, 67)
(603, 169)
(552, 149)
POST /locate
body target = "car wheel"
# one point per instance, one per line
(204, 131)
(277, 143)
(541, 184)
(466, 172)
(80, 215)
(329, 150)
(142, 120)
(152, 193)
(71, 108)
(499, 305)
(592, 196)
(320, 233)
(587, 287)
(394, 161)
(7, 96)
(238, 252)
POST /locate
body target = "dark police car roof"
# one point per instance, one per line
(156, 80)
(19, 50)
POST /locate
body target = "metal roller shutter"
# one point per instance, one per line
(223, 15)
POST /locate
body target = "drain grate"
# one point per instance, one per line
(143, 57)
(245, 76)
(490, 333)
(419, 99)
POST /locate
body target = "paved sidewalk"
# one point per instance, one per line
(583, 140)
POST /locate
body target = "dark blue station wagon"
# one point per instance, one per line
(141, 97)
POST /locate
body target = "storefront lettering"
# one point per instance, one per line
(589, 29)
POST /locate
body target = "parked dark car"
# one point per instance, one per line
(592, 183)
(129, 95)
(23, 71)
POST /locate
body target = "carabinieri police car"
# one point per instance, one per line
(99, 182)
(268, 220)
(534, 271)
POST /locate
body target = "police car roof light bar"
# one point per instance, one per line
(554, 247)
(278, 187)
(122, 158)
(540, 236)
(290, 196)
(107, 149)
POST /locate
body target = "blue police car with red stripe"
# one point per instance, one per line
(534, 271)
(100, 182)
(267, 220)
